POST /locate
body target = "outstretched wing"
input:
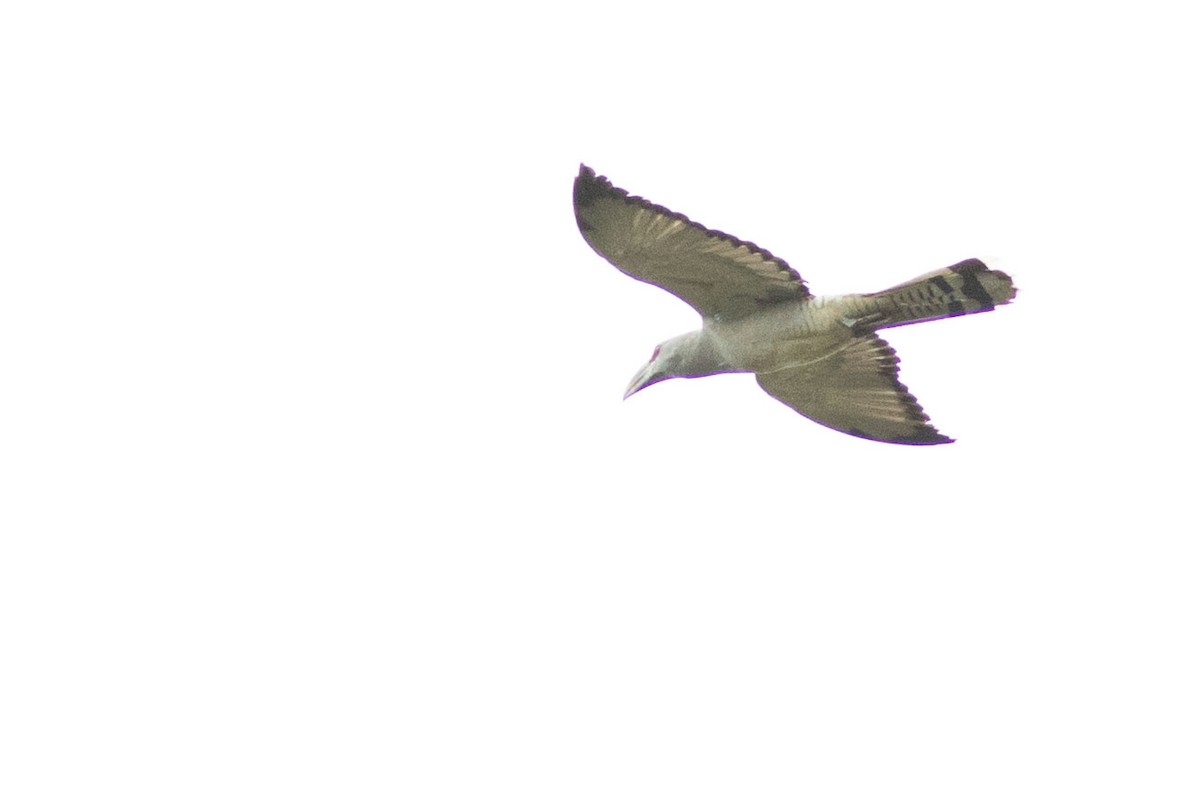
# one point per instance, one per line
(713, 272)
(856, 390)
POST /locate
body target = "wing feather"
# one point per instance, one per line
(715, 273)
(856, 390)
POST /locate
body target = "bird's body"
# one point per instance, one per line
(819, 355)
(792, 331)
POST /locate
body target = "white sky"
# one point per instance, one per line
(315, 480)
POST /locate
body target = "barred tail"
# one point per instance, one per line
(968, 287)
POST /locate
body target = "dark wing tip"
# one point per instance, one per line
(928, 435)
(589, 187)
(923, 435)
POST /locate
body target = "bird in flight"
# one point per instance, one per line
(819, 355)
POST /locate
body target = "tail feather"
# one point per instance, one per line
(968, 287)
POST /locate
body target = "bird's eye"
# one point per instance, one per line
(654, 355)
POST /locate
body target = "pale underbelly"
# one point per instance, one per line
(788, 336)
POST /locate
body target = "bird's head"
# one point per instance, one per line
(669, 360)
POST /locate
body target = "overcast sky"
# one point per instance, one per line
(315, 477)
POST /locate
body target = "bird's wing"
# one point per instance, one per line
(713, 272)
(855, 390)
